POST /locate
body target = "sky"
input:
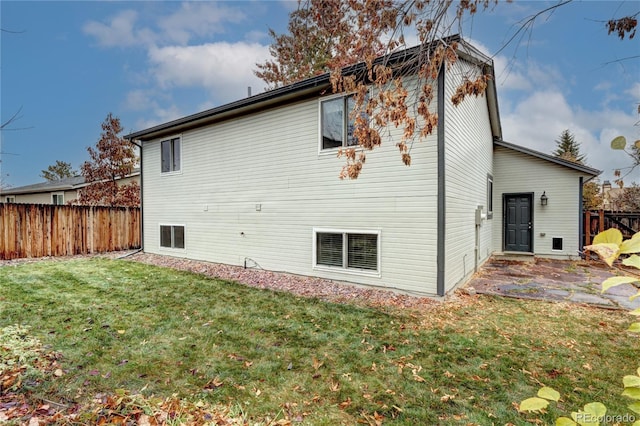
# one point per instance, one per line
(65, 65)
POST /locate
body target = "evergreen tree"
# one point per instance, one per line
(58, 171)
(568, 148)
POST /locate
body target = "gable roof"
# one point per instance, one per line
(562, 162)
(66, 184)
(317, 85)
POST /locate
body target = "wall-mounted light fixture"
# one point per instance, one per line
(544, 199)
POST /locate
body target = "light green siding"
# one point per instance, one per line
(520, 173)
(468, 160)
(254, 188)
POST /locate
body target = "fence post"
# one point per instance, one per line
(601, 221)
(587, 228)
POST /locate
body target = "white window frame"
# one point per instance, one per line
(332, 151)
(57, 194)
(173, 249)
(172, 172)
(345, 233)
(10, 199)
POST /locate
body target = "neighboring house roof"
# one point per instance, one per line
(319, 84)
(566, 163)
(66, 184)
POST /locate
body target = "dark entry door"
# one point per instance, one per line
(517, 222)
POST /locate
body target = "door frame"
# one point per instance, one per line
(504, 217)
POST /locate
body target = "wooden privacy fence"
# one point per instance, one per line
(38, 230)
(597, 221)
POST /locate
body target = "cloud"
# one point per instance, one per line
(191, 19)
(138, 100)
(119, 31)
(161, 115)
(537, 120)
(201, 19)
(225, 69)
(634, 92)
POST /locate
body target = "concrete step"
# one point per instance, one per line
(517, 256)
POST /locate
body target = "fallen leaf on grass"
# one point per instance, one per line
(214, 383)
(58, 373)
(317, 364)
(345, 404)
(235, 357)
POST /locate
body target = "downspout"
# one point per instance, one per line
(141, 204)
(441, 203)
(581, 216)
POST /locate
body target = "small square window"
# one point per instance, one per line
(556, 244)
(172, 236)
(10, 199)
(57, 199)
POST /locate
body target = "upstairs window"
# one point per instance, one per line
(170, 152)
(336, 124)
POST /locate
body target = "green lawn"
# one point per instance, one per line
(125, 325)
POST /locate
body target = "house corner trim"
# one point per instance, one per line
(441, 203)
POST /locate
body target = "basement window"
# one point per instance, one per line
(172, 236)
(354, 251)
(556, 244)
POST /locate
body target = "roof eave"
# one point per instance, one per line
(18, 191)
(590, 171)
(242, 106)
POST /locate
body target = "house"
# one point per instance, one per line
(621, 199)
(60, 191)
(255, 183)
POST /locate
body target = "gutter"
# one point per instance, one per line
(139, 145)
